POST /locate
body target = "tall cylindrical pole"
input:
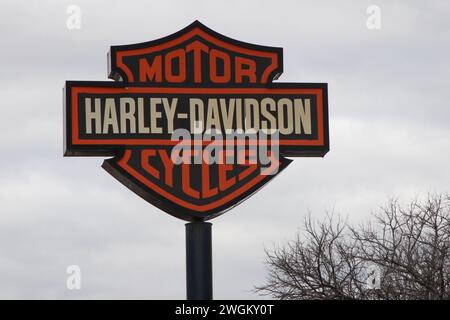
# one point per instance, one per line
(199, 261)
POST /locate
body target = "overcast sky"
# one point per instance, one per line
(389, 136)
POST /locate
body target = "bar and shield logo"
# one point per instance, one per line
(193, 122)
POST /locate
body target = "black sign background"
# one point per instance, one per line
(128, 150)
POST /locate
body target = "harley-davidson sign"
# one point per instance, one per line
(193, 121)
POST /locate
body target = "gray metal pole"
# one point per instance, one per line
(199, 261)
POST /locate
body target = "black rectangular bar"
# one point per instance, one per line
(199, 261)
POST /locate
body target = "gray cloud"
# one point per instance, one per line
(389, 134)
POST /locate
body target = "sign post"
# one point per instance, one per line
(199, 284)
(194, 124)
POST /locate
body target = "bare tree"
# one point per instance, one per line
(403, 254)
